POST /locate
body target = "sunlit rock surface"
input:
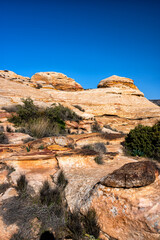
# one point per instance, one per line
(56, 80)
(122, 213)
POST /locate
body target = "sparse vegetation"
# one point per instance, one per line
(8, 129)
(3, 138)
(41, 147)
(144, 141)
(39, 122)
(97, 147)
(96, 127)
(82, 225)
(99, 159)
(49, 195)
(49, 207)
(61, 180)
(22, 184)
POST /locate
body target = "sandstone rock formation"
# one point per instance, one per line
(124, 190)
(136, 174)
(116, 81)
(13, 76)
(57, 80)
(120, 108)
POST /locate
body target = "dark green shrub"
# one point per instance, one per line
(22, 183)
(99, 159)
(60, 113)
(50, 196)
(25, 112)
(8, 129)
(97, 147)
(61, 180)
(42, 122)
(3, 138)
(96, 127)
(144, 141)
(80, 225)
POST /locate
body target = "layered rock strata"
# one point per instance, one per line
(56, 80)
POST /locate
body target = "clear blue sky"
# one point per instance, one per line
(86, 39)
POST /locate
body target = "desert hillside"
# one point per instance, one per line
(76, 180)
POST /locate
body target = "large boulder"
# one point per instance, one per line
(58, 80)
(116, 81)
(135, 174)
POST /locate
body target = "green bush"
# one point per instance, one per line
(22, 183)
(96, 127)
(50, 196)
(99, 159)
(144, 141)
(3, 138)
(97, 147)
(42, 122)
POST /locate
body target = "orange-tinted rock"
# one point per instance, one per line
(58, 80)
(128, 214)
(116, 81)
(13, 76)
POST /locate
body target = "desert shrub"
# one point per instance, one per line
(1, 128)
(96, 127)
(61, 180)
(8, 129)
(79, 107)
(97, 147)
(81, 225)
(100, 148)
(53, 214)
(3, 138)
(60, 113)
(25, 112)
(144, 141)
(22, 183)
(49, 196)
(42, 127)
(41, 147)
(42, 122)
(98, 159)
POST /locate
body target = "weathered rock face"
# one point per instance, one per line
(136, 174)
(57, 80)
(124, 192)
(13, 76)
(128, 214)
(116, 81)
(121, 213)
(121, 108)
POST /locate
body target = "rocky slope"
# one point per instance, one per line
(126, 198)
(120, 107)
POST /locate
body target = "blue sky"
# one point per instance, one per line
(87, 40)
